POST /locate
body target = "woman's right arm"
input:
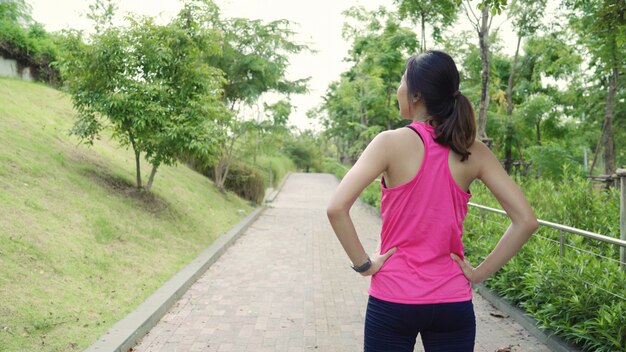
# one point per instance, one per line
(510, 196)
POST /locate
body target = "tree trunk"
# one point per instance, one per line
(538, 127)
(388, 122)
(137, 159)
(151, 179)
(509, 90)
(607, 136)
(361, 107)
(423, 33)
(510, 128)
(508, 148)
(597, 151)
(218, 175)
(221, 169)
(483, 39)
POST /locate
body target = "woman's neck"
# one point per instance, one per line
(420, 114)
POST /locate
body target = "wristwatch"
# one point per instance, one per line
(363, 267)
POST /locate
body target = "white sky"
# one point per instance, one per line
(319, 24)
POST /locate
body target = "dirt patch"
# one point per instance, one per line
(122, 187)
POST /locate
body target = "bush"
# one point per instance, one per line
(243, 179)
(304, 153)
(579, 296)
(550, 161)
(31, 46)
(280, 165)
(246, 181)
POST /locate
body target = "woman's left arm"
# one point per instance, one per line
(371, 163)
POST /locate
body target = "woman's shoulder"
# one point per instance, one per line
(479, 149)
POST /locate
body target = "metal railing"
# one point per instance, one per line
(568, 229)
(562, 241)
(563, 228)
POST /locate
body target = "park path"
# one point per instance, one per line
(285, 285)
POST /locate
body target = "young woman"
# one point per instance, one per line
(420, 282)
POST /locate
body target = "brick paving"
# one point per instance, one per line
(285, 285)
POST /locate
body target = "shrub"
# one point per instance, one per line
(246, 181)
(280, 165)
(580, 296)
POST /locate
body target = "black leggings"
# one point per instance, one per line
(393, 327)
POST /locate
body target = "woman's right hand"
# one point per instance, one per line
(378, 260)
(469, 271)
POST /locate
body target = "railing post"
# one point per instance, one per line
(621, 175)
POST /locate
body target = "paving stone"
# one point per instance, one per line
(286, 285)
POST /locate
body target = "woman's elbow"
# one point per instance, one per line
(531, 223)
(331, 211)
(334, 209)
(527, 224)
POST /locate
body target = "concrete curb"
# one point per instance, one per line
(271, 196)
(127, 332)
(553, 342)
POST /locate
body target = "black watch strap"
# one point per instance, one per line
(363, 267)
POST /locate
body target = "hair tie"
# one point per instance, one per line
(455, 94)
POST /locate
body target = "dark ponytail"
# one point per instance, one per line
(433, 76)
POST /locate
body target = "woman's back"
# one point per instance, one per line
(406, 154)
(423, 218)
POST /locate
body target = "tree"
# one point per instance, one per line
(254, 59)
(439, 14)
(15, 11)
(362, 103)
(304, 149)
(379, 52)
(482, 25)
(150, 85)
(526, 21)
(601, 28)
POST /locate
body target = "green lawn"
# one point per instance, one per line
(79, 247)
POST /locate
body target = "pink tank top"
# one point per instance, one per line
(423, 218)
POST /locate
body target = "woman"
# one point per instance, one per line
(420, 281)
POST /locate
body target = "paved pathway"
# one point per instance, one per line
(285, 285)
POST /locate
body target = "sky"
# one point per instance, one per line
(318, 24)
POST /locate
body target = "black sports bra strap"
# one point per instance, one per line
(419, 134)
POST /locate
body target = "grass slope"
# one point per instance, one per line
(79, 247)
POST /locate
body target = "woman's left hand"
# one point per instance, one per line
(377, 261)
(469, 271)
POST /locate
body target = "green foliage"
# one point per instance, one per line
(279, 164)
(440, 14)
(575, 295)
(551, 160)
(527, 15)
(304, 151)
(150, 85)
(363, 101)
(247, 181)
(27, 42)
(254, 58)
(279, 112)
